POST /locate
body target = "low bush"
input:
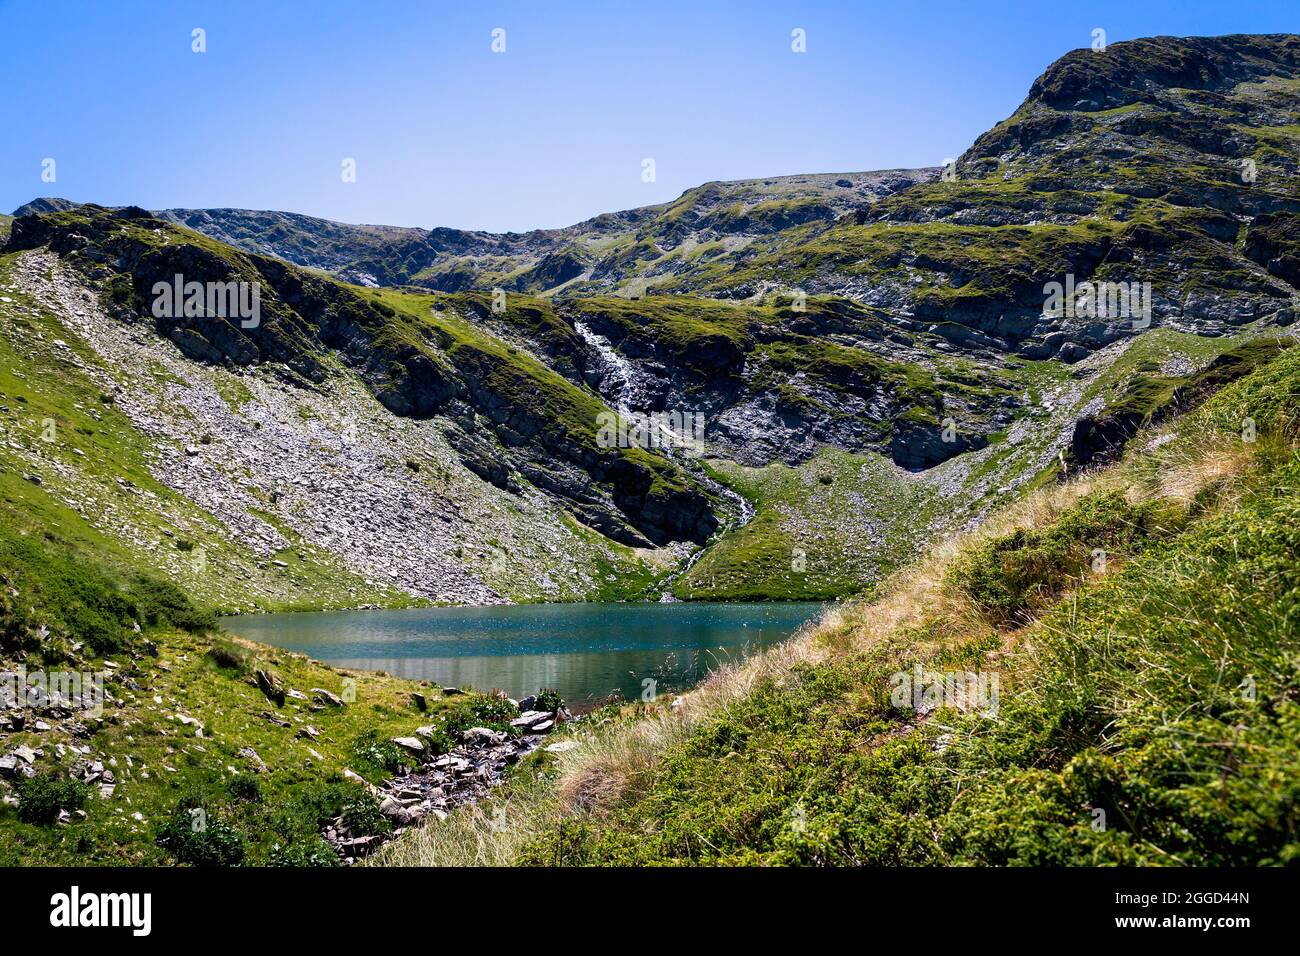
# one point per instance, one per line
(192, 835)
(372, 752)
(42, 797)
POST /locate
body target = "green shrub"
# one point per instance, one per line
(245, 786)
(549, 699)
(200, 840)
(311, 807)
(43, 796)
(492, 710)
(230, 656)
(375, 752)
(1012, 576)
(361, 813)
(309, 852)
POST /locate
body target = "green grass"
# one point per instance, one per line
(55, 596)
(62, 607)
(831, 527)
(1013, 577)
(1147, 711)
(173, 770)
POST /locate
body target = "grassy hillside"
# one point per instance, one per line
(184, 726)
(829, 528)
(1141, 623)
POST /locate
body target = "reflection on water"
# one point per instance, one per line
(585, 651)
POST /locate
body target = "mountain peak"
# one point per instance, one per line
(1127, 72)
(45, 204)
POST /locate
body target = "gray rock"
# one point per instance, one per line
(270, 685)
(530, 718)
(327, 697)
(483, 736)
(252, 757)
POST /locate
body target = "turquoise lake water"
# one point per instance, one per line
(585, 651)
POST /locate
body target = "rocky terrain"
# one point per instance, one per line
(481, 760)
(713, 222)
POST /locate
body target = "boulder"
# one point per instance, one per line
(392, 809)
(483, 737)
(250, 755)
(270, 685)
(327, 697)
(530, 718)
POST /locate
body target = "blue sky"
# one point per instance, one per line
(552, 131)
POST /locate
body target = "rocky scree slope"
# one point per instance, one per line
(414, 364)
(276, 485)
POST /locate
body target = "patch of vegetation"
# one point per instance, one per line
(54, 595)
(44, 796)
(831, 527)
(380, 756)
(1013, 576)
(191, 836)
(361, 813)
(704, 335)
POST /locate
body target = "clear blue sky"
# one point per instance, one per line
(553, 130)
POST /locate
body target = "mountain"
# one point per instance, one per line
(881, 344)
(713, 222)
